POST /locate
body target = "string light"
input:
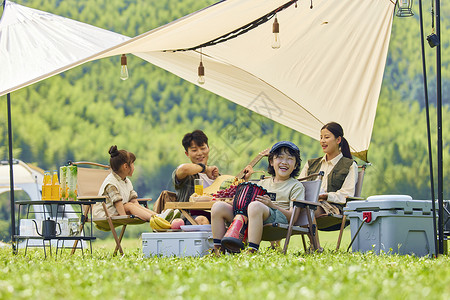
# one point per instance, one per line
(201, 71)
(404, 8)
(123, 67)
(276, 34)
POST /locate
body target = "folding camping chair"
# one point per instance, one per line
(338, 221)
(302, 219)
(89, 183)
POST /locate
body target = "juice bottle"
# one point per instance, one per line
(55, 186)
(72, 183)
(47, 186)
(63, 182)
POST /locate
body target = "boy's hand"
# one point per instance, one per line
(248, 171)
(265, 199)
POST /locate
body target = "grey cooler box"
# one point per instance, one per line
(176, 243)
(396, 224)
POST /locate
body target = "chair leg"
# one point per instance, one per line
(341, 231)
(317, 232)
(312, 230)
(116, 238)
(113, 230)
(304, 242)
(122, 232)
(294, 217)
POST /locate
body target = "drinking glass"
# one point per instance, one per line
(198, 186)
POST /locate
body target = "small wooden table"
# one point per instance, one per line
(183, 206)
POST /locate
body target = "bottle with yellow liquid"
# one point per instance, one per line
(47, 186)
(55, 186)
(198, 186)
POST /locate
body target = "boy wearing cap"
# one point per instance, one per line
(276, 206)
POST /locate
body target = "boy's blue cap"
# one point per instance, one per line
(286, 144)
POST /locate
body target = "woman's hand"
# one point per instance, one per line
(265, 199)
(323, 197)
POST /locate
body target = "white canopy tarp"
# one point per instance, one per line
(329, 67)
(35, 45)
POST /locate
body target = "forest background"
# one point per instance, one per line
(79, 114)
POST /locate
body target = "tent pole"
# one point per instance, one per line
(430, 155)
(439, 130)
(11, 177)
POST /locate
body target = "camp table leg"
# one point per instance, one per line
(188, 217)
(83, 221)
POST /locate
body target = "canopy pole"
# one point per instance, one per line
(430, 155)
(11, 177)
(439, 130)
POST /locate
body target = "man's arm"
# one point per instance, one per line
(188, 169)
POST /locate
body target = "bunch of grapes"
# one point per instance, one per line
(226, 193)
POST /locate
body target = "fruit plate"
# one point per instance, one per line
(189, 228)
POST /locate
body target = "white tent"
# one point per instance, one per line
(26, 178)
(329, 67)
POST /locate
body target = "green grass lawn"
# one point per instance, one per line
(266, 275)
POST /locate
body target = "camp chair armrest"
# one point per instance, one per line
(90, 163)
(143, 201)
(303, 204)
(321, 173)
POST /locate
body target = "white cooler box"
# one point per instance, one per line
(396, 224)
(177, 243)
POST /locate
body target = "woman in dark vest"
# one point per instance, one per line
(341, 171)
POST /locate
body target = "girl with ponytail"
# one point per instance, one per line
(341, 171)
(121, 199)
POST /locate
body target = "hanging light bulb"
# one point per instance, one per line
(276, 34)
(201, 70)
(201, 73)
(123, 67)
(404, 8)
